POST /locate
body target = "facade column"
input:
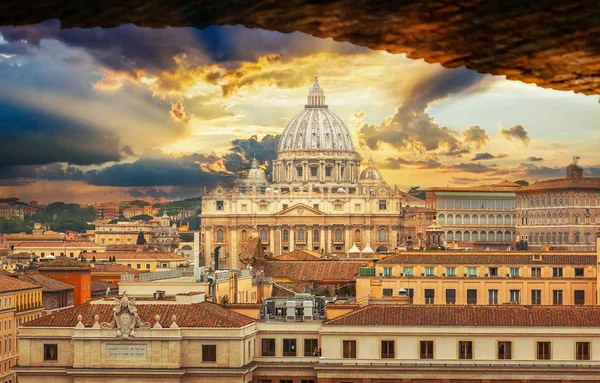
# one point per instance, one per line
(208, 244)
(272, 240)
(368, 230)
(321, 238)
(233, 263)
(329, 239)
(291, 231)
(277, 246)
(309, 239)
(347, 241)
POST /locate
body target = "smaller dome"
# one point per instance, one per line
(255, 173)
(370, 173)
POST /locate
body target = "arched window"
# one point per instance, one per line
(263, 235)
(450, 219)
(467, 219)
(286, 236)
(491, 220)
(357, 236)
(338, 235)
(475, 236)
(244, 235)
(315, 236)
(483, 220)
(382, 235)
(458, 219)
(219, 235)
(507, 236)
(301, 235)
(535, 238)
(449, 236)
(467, 236)
(458, 235)
(547, 237)
(507, 219)
(499, 236)
(442, 219)
(553, 237)
(499, 219)
(560, 238)
(475, 219)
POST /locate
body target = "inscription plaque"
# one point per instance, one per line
(126, 351)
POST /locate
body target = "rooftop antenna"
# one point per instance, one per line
(576, 159)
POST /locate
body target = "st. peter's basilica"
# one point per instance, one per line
(319, 199)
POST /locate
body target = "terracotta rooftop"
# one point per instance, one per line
(471, 316)
(505, 186)
(490, 258)
(114, 268)
(101, 286)
(20, 256)
(126, 247)
(308, 271)
(48, 284)
(57, 244)
(64, 263)
(299, 255)
(204, 314)
(564, 183)
(138, 255)
(13, 284)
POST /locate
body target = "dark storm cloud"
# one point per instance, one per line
(476, 136)
(148, 192)
(399, 162)
(477, 168)
(516, 132)
(534, 159)
(36, 137)
(487, 156)
(411, 128)
(244, 150)
(54, 172)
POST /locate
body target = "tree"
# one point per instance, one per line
(416, 192)
(142, 217)
(224, 300)
(522, 182)
(141, 240)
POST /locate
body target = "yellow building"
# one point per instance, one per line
(123, 233)
(73, 249)
(146, 260)
(483, 278)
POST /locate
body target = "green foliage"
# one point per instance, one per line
(141, 217)
(193, 221)
(522, 182)
(139, 202)
(116, 220)
(9, 200)
(14, 225)
(416, 191)
(94, 259)
(347, 291)
(186, 237)
(60, 217)
(141, 240)
(71, 224)
(224, 300)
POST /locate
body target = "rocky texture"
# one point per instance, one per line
(553, 43)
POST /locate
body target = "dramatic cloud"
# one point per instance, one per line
(487, 156)
(412, 129)
(535, 159)
(476, 136)
(399, 163)
(516, 132)
(177, 112)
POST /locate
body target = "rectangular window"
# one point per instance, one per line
(582, 350)
(311, 347)
(50, 352)
(536, 271)
(244, 207)
(147, 266)
(209, 352)
(544, 351)
(357, 207)
(472, 271)
(579, 297)
(387, 271)
(536, 297)
(382, 204)
(328, 171)
(139, 266)
(451, 271)
(313, 172)
(450, 296)
(429, 296)
(579, 272)
(504, 350)
(465, 350)
(557, 272)
(299, 171)
(557, 297)
(388, 292)
(349, 349)
(471, 297)
(515, 296)
(429, 271)
(387, 349)
(289, 347)
(493, 271)
(492, 297)
(316, 206)
(514, 271)
(268, 347)
(220, 205)
(426, 349)
(408, 271)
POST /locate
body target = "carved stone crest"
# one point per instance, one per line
(125, 318)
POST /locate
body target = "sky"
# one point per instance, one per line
(98, 115)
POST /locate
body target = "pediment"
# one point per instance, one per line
(300, 209)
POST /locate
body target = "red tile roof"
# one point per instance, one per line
(13, 284)
(101, 286)
(490, 258)
(57, 244)
(471, 316)
(114, 268)
(299, 255)
(203, 314)
(48, 284)
(564, 183)
(308, 271)
(64, 263)
(138, 255)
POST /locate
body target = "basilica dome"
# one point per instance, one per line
(370, 173)
(316, 128)
(255, 173)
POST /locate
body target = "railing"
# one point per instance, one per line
(367, 272)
